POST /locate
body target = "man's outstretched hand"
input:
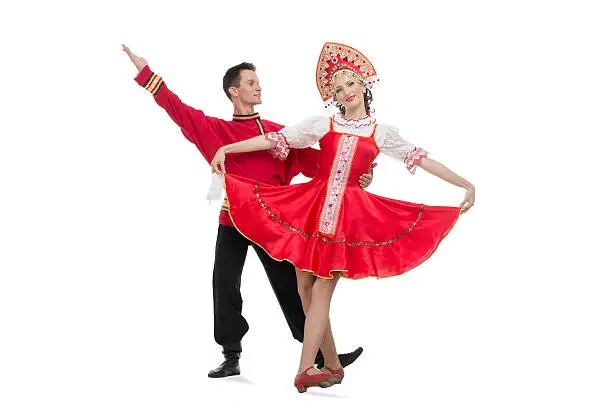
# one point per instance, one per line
(139, 62)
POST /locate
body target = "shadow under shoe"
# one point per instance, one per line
(229, 367)
(345, 359)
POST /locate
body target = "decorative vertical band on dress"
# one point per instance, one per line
(338, 178)
(153, 83)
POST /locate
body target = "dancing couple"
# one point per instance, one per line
(329, 227)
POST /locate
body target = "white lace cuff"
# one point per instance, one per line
(281, 147)
(412, 157)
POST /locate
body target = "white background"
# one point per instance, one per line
(107, 241)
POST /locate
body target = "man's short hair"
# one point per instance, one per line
(232, 76)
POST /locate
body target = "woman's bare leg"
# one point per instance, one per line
(317, 323)
(328, 346)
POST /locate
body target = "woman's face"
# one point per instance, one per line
(348, 90)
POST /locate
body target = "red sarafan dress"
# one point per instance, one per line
(331, 224)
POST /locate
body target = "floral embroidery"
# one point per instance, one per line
(412, 157)
(281, 148)
(337, 184)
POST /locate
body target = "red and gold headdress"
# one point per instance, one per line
(335, 58)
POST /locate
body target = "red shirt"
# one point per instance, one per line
(209, 134)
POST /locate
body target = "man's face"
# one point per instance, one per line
(249, 91)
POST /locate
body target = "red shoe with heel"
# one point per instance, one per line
(304, 381)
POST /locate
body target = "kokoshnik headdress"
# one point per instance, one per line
(336, 58)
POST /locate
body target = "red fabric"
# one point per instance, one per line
(285, 220)
(209, 134)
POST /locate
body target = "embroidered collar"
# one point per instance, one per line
(354, 123)
(246, 117)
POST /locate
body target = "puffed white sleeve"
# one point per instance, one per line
(392, 144)
(300, 136)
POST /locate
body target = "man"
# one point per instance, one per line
(241, 86)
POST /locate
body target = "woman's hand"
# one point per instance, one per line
(468, 201)
(218, 162)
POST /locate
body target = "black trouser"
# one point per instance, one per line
(230, 254)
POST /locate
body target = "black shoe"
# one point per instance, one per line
(345, 359)
(229, 367)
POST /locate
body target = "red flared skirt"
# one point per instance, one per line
(374, 236)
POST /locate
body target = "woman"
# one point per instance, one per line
(330, 227)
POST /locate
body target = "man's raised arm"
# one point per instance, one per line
(189, 119)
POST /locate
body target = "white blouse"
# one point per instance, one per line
(311, 130)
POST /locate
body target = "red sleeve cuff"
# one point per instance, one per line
(149, 80)
(143, 75)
